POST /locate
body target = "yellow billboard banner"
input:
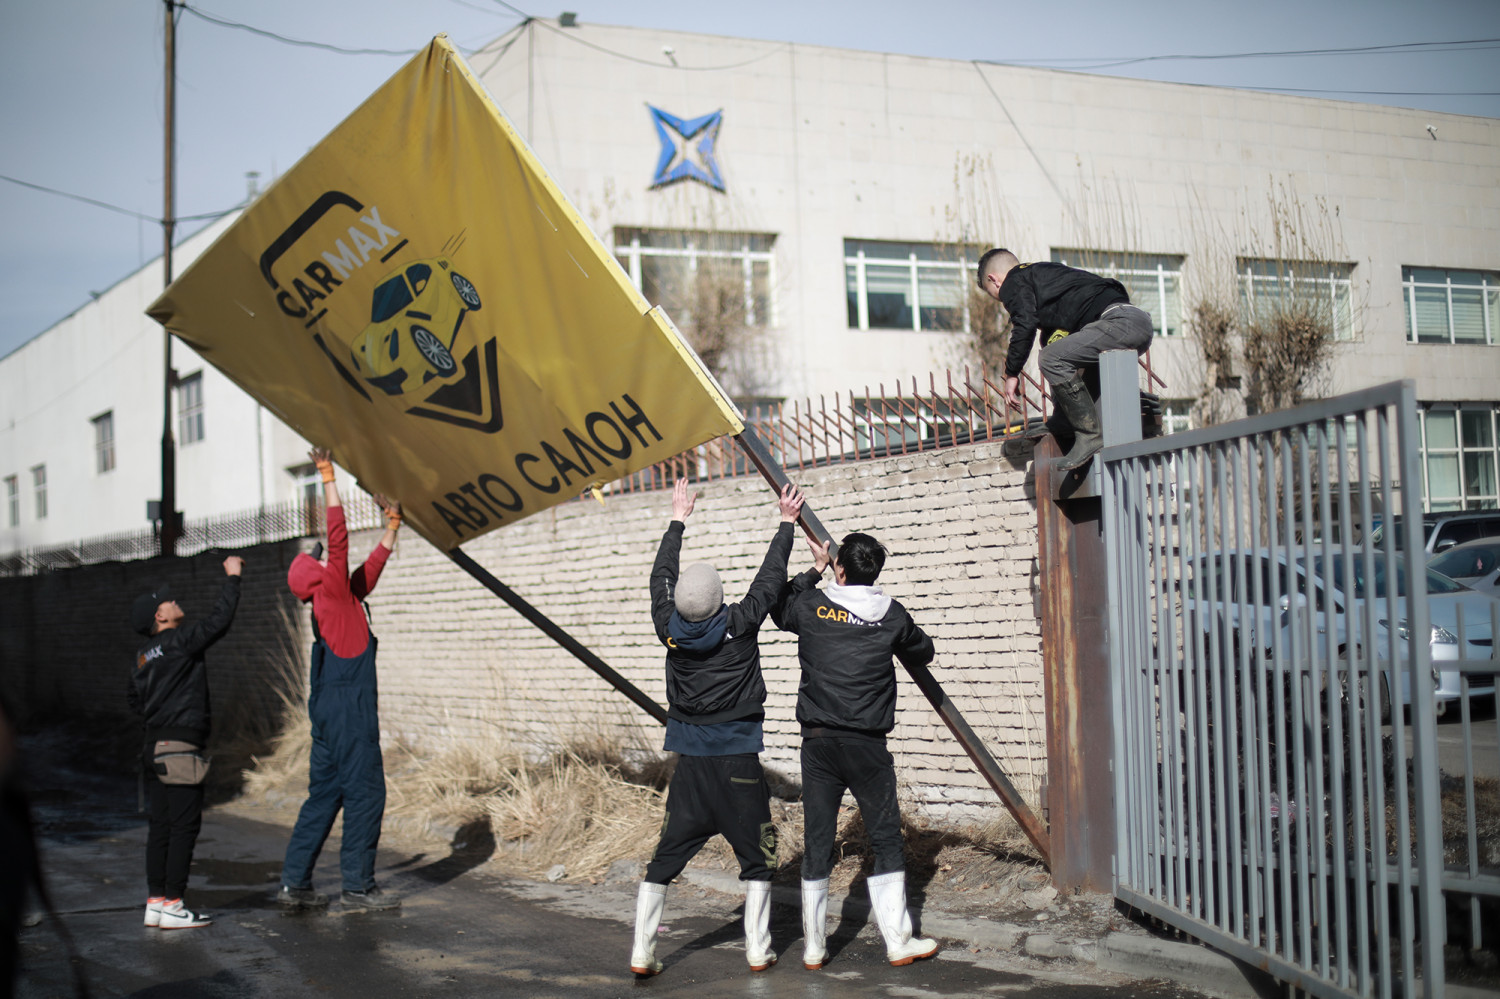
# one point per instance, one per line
(418, 295)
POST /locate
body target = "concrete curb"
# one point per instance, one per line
(1134, 955)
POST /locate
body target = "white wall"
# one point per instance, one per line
(819, 145)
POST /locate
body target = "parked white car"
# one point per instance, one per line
(1476, 564)
(1325, 597)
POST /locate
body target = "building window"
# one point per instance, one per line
(13, 499)
(892, 424)
(1154, 281)
(1451, 306)
(1269, 288)
(692, 272)
(1176, 415)
(190, 408)
(1459, 456)
(104, 442)
(39, 490)
(307, 484)
(909, 286)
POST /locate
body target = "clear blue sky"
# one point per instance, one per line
(82, 87)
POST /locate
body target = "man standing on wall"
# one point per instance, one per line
(346, 770)
(169, 689)
(1082, 315)
(716, 697)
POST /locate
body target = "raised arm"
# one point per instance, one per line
(209, 629)
(664, 570)
(766, 587)
(366, 576)
(338, 531)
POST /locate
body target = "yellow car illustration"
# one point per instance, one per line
(415, 317)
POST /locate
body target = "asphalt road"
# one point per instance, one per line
(462, 931)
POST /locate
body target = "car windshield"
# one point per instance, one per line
(390, 298)
(1436, 582)
(1467, 562)
(1378, 538)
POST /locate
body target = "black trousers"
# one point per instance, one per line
(716, 794)
(861, 764)
(176, 815)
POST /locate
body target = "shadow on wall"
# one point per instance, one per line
(66, 649)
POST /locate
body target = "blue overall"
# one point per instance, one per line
(345, 770)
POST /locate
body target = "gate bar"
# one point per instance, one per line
(549, 628)
(1030, 823)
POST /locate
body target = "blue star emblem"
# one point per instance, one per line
(679, 141)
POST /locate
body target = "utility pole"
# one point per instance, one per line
(170, 528)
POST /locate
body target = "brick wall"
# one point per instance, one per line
(458, 664)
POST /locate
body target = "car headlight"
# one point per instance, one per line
(1440, 635)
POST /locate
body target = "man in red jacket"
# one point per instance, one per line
(345, 771)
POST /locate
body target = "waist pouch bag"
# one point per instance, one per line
(177, 762)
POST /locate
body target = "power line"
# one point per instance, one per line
(775, 47)
(288, 40)
(1415, 48)
(204, 216)
(78, 197)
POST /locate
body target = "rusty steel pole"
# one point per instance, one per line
(1031, 824)
(549, 628)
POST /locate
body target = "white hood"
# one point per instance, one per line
(868, 603)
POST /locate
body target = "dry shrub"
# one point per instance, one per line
(583, 807)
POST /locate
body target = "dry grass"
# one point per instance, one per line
(583, 807)
(587, 806)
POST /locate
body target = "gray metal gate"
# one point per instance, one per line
(1263, 803)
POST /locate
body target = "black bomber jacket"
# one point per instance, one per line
(169, 682)
(1050, 297)
(723, 683)
(848, 671)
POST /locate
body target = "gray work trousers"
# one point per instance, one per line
(1121, 327)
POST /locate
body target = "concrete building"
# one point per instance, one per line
(825, 207)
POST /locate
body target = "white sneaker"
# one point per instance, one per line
(888, 899)
(176, 916)
(153, 910)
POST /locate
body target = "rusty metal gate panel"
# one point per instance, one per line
(1263, 806)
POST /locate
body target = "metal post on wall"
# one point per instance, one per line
(1080, 797)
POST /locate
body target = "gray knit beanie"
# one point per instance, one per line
(699, 592)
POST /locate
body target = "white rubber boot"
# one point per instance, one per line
(758, 925)
(649, 902)
(888, 899)
(814, 924)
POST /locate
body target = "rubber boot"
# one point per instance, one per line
(758, 925)
(649, 902)
(888, 899)
(1072, 397)
(814, 924)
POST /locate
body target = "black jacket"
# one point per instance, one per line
(169, 685)
(1052, 297)
(848, 676)
(722, 682)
